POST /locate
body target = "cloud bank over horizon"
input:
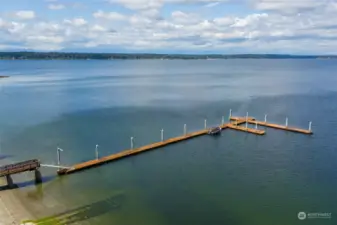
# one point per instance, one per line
(172, 26)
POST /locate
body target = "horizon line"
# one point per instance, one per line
(182, 54)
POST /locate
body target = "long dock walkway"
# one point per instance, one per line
(126, 153)
(250, 130)
(276, 126)
(234, 123)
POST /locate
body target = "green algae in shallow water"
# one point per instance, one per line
(82, 213)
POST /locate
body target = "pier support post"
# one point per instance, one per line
(265, 118)
(247, 120)
(162, 134)
(256, 125)
(59, 150)
(96, 151)
(205, 123)
(10, 182)
(222, 120)
(230, 114)
(310, 125)
(286, 121)
(185, 129)
(131, 140)
(38, 176)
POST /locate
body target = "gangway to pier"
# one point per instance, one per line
(55, 166)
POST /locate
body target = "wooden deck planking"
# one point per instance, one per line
(129, 152)
(276, 126)
(233, 124)
(250, 130)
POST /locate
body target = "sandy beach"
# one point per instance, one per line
(12, 211)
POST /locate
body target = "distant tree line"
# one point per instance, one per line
(124, 56)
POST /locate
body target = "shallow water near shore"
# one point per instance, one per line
(236, 178)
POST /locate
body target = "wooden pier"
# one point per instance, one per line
(250, 130)
(21, 167)
(130, 152)
(234, 123)
(276, 126)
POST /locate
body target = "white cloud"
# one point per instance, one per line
(46, 39)
(15, 27)
(151, 13)
(289, 6)
(146, 27)
(212, 4)
(249, 20)
(98, 28)
(224, 21)
(185, 18)
(56, 6)
(2, 23)
(150, 4)
(25, 15)
(109, 15)
(139, 4)
(76, 22)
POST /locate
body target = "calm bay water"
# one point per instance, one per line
(235, 179)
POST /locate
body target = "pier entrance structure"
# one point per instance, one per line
(21, 167)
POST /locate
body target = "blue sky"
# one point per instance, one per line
(170, 26)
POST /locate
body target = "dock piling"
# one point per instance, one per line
(230, 114)
(256, 125)
(10, 182)
(247, 120)
(96, 151)
(286, 121)
(59, 150)
(205, 124)
(131, 139)
(38, 176)
(185, 129)
(265, 118)
(310, 125)
(223, 120)
(162, 134)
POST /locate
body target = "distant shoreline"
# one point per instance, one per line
(139, 56)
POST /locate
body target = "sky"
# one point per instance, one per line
(170, 26)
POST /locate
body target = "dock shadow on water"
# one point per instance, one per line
(5, 156)
(84, 212)
(29, 183)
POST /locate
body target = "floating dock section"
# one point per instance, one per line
(235, 123)
(246, 129)
(276, 126)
